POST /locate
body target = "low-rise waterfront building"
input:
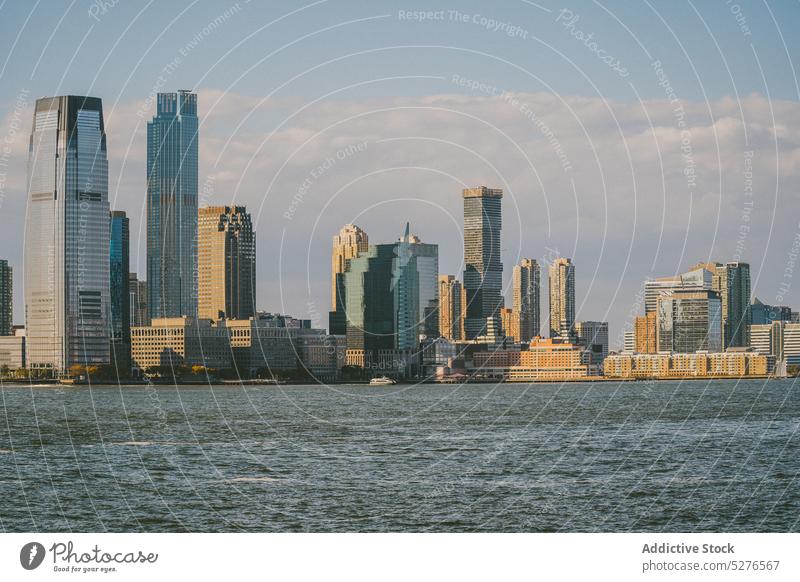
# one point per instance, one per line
(180, 341)
(734, 363)
(548, 360)
(12, 350)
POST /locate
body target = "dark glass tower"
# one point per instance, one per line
(172, 155)
(483, 272)
(67, 236)
(120, 291)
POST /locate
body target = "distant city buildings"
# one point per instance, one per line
(526, 281)
(451, 321)
(226, 263)
(780, 339)
(6, 298)
(545, 360)
(483, 268)
(67, 239)
(645, 328)
(172, 167)
(562, 298)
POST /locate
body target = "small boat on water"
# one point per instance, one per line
(381, 381)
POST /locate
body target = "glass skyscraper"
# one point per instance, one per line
(483, 269)
(120, 292)
(67, 281)
(172, 155)
(689, 321)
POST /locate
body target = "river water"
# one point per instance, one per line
(657, 456)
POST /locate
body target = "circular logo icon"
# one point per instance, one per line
(31, 555)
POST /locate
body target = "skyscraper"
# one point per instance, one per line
(732, 282)
(562, 298)
(483, 272)
(226, 263)
(526, 279)
(347, 245)
(426, 258)
(139, 308)
(6, 298)
(450, 307)
(699, 277)
(120, 331)
(67, 238)
(172, 155)
(689, 321)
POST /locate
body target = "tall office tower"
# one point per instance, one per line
(138, 302)
(67, 236)
(628, 341)
(426, 259)
(6, 298)
(172, 206)
(593, 335)
(526, 281)
(689, 321)
(120, 291)
(562, 298)
(450, 307)
(370, 297)
(645, 333)
(698, 278)
(483, 271)
(226, 263)
(732, 282)
(347, 245)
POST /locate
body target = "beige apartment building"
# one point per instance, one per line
(734, 363)
(226, 263)
(180, 341)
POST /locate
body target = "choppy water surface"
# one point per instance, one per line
(665, 456)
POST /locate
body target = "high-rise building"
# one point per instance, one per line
(562, 298)
(483, 271)
(67, 281)
(120, 332)
(6, 298)
(732, 282)
(526, 280)
(226, 263)
(698, 277)
(510, 323)
(594, 336)
(172, 157)
(347, 244)
(450, 317)
(138, 302)
(629, 341)
(645, 333)
(689, 321)
(426, 259)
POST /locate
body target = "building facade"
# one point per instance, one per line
(6, 298)
(180, 341)
(562, 298)
(526, 285)
(689, 321)
(736, 363)
(450, 316)
(226, 263)
(140, 314)
(120, 292)
(761, 313)
(347, 244)
(645, 334)
(594, 336)
(732, 282)
(172, 158)
(483, 268)
(67, 236)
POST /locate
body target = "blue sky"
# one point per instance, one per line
(285, 86)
